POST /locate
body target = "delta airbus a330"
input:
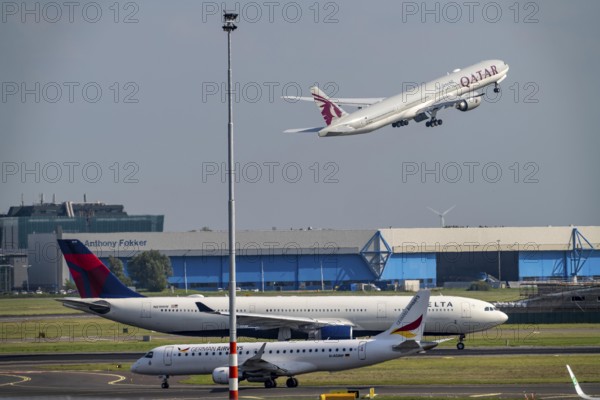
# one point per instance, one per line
(458, 89)
(268, 317)
(265, 362)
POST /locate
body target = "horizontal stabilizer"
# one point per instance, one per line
(95, 307)
(353, 102)
(304, 130)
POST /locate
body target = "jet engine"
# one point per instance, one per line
(221, 375)
(469, 104)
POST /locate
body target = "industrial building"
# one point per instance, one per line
(25, 266)
(316, 259)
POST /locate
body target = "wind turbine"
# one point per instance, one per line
(441, 215)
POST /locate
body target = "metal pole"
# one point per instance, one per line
(499, 267)
(229, 26)
(185, 271)
(322, 281)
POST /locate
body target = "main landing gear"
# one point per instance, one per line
(291, 382)
(400, 123)
(460, 345)
(165, 381)
(270, 383)
(433, 122)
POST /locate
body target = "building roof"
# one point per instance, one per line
(425, 240)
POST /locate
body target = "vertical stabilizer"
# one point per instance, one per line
(411, 323)
(329, 110)
(92, 277)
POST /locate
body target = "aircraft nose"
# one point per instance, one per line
(502, 317)
(134, 367)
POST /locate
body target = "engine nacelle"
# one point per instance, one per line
(469, 104)
(336, 332)
(221, 375)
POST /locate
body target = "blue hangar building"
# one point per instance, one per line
(316, 258)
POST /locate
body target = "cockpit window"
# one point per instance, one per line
(149, 354)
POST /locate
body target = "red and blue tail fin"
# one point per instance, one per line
(92, 277)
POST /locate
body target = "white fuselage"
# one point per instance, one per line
(447, 315)
(294, 357)
(406, 105)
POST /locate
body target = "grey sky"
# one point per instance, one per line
(541, 134)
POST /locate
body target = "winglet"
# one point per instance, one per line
(578, 389)
(91, 276)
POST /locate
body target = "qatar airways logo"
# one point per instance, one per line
(326, 109)
(465, 81)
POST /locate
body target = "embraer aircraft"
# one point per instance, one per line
(281, 317)
(457, 89)
(265, 362)
(578, 389)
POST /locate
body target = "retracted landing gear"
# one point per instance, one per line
(460, 345)
(291, 382)
(165, 381)
(433, 122)
(400, 123)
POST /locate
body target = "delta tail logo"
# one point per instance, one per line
(406, 329)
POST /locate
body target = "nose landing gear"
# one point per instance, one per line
(460, 345)
(165, 382)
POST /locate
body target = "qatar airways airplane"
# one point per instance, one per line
(265, 362)
(269, 317)
(457, 89)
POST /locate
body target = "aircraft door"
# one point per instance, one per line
(381, 310)
(362, 350)
(466, 310)
(252, 308)
(146, 309)
(168, 355)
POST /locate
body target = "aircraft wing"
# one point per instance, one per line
(255, 365)
(273, 321)
(447, 102)
(354, 102)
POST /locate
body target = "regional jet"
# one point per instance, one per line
(268, 317)
(578, 389)
(458, 90)
(265, 362)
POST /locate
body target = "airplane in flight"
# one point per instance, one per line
(265, 362)
(458, 89)
(267, 317)
(578, 389)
